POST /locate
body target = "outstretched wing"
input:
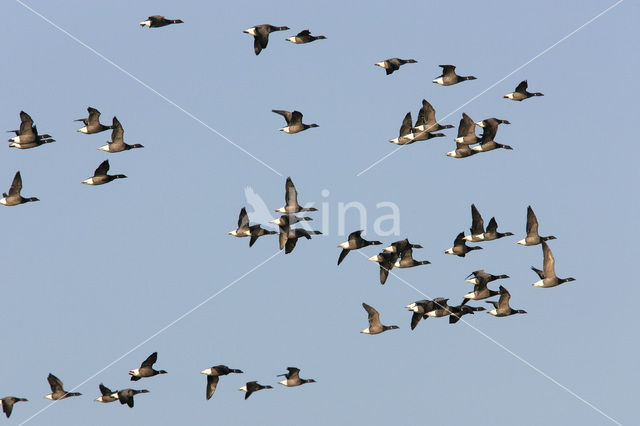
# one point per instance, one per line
(290, 194)
(532, 222)
(549, 264)
(54, 383)
(405, 129)
(303, 33)
(117, 134)
(150, 360)
(296, 117)
(285, 114)
(243, 219)
(343, 254)
(105, 391)
(94, 116)
(26, 123)
(16, 185)
(102, 169)
(477, 224)
(522, 87)
(212, 383)
(466, 127)
(373, 315)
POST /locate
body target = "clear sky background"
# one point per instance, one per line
(91, 272)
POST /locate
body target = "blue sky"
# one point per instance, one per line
(92, 272)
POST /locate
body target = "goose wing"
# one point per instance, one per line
(55, 383)
(102, 169)
(549, 262)
(477, 224)
(296, 118)
(285, 114)
(290, 194)
(26, 123)
(117, 134)
(405, 129)
(466, 127)
(522, 87)
(212, 383)
(16, 185)
(243, 219)
(151, 359)
(373, 316)
(459, 241)
(532, 222)
(94, 116)
(105, 391)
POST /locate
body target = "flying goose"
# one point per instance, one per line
(400, 246)
(487, 140)
(492, 231)
(393, 64)
(375, 326)
(450, 77)
(146, 368)
(548, 276)
(27, 135)
(501, 307)
(532, 238)
(294, 121)
(100, 176)
(460, 248)
(260, 35)
(477, 226)
(289, 236)
(521, 93)
(303, 37)
(421, 307)
(117, 143)
(107, 394)
(461, 151)
(92, 123)
(14, 198)
(456, 312)
(407, 260)
(480, 291)
(157, 21)
(291, 200)
(252, 387)
(466, 131)
(125, 396)
(57, 390)
(7, 404)
(213, 376)
(292, 378)
(440, 309)
(427, 119)
(480, 276)
(354, 242)
(244, 230)
(386, 260)
(407, 136)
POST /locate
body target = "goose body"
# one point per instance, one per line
(213, 376)
(157, 21)
(426, 121)
(100, 175)
(57, 389)
(27, 135)
(533, 238)
(477, 226)
(260, 35)
(8, 402)
(146, 368)
(393, 64)
(92, 123)
(400, 246)
(125, 396)
(501, 307)
(457, 312)
(450, 77)
(460, 248)
(480, 276)
(292, 378)
(252, 387)
(107, 394)
(375, 326)
(13, 198)
(291, 200)
(407, 260)
(466, 131)
(487, 140)
(520, 94)
(303, 37)
(386, 260)
(117, 143)
(294, 121)
(548, 276)
(354, 242)
(492, 231)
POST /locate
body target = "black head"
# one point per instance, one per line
(309, 381)
(437, 135)
(26, 200)
(119, 176)
(137, 145)
(177, 21)
(550, 237)
(566, 280)
(313, 125)
(475, 248)
(162, 372)
(519, 311)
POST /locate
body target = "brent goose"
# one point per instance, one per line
(466, 131)
(292, 378)
(440, 309)
(146, 368)
(461, 151)
(117, 143)
(450, 77)
(244, 230)
(125, 396)
(294, 121)
(304, 36)
(291, 200)
(492, 231)
(393, 64)
(92, 123)
(354, 242)
(27, 135)
(480, 276)
(532, 238)
(157, 21)
(406, 135)
(481, 291)
(375, 326)
(460, 248)
(213, 376)
(477, 226)
(501, 307)
(427, 119)
(407, 260)
(487, 140)
(100, 176)
(7, 404)
(260, 35)
(548, 276)
(421, 307)
(400, 246)
(288, 236)
(457, 312)
(252, 387)
(521, 92)
(57, 390)
(14, 198)
(107, 394)
(386, 260)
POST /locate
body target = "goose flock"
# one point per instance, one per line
(398, 254)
